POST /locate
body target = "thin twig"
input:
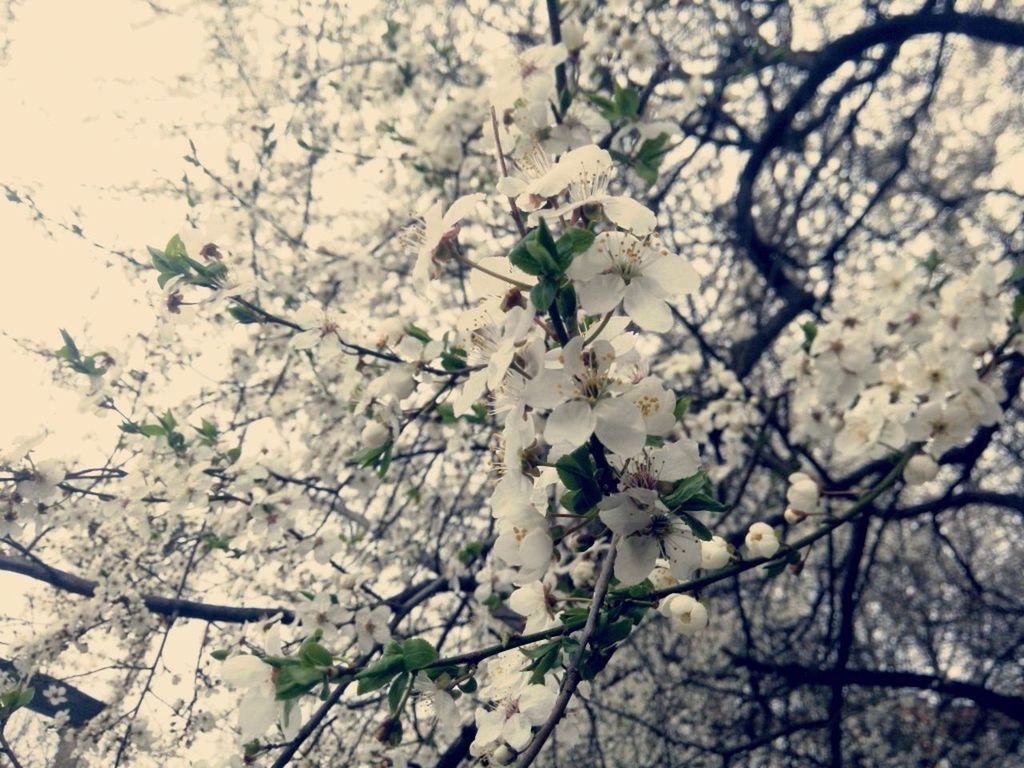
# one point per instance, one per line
(572, 675)
(504, 172)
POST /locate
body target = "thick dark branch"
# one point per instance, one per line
(165, 606)
(1011, 706)
(81, 707)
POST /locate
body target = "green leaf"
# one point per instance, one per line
(543, 660)
(220, 655)
(380, 673)
(175, 249)
(565, 302)
(614, 633)
(565, 101)
(544, 238)
(293, 681)
(453, 359)
(315, 654)
(701, 502)
(608, 109)
(417, 333)
(578, 474)
(397, 691)
(243, 315)
(368, 456)
(70, 349)
(521, 257)
(543, 257)
(16, 698)
(700, 530)
(152, 430)
(682, 406)
(810, 332)
(573, 242)
(627, 102)
(573, 615)
(685, 489)
(543, 293)
(418, 653)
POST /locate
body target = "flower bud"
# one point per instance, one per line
(502, 756)
(401, 384)
(662, 578)
(347, 581)
(389, 732)
(920, 469)
(374, 435)
(714, 554)
(803, 493)
(794, 516)
(687, 615)
(572, 34)
(582, 572)
(761, 540)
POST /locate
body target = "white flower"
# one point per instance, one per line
(41, 484)
(523, 540)
(638, 515)
(321, 328)
(323, 547)
(714, 554)
(372, 627)
(440, 698)
(583, 402)
(656, 404)
(513, 717)
(638, 273)
(322, 613)
(533, 600)
(761, 540)
(920, 469)
(55, 695)
(439, 230)
(803, 493)
(258, 709)
(647, 532)
(585, 172)
(945, 424)
(687, 614)
(374, 435)
(492, 344)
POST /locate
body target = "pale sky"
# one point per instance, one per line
(90, 106)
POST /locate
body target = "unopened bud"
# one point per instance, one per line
(920, 469)
(374, 435)
(502, 756)
(389, 732)
(513, 298)
(794, 516)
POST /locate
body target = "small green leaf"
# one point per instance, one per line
(699, 529)
(315, 654)
(614, 633)
(220, 655)
(244, 315)
(542, 294)
(418, 653)
(417, 333)
(293, 681)
(397, 691)
(682, 406)
(380, 673)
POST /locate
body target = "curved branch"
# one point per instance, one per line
(164, 606)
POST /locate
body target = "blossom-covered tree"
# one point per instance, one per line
(628, 383)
